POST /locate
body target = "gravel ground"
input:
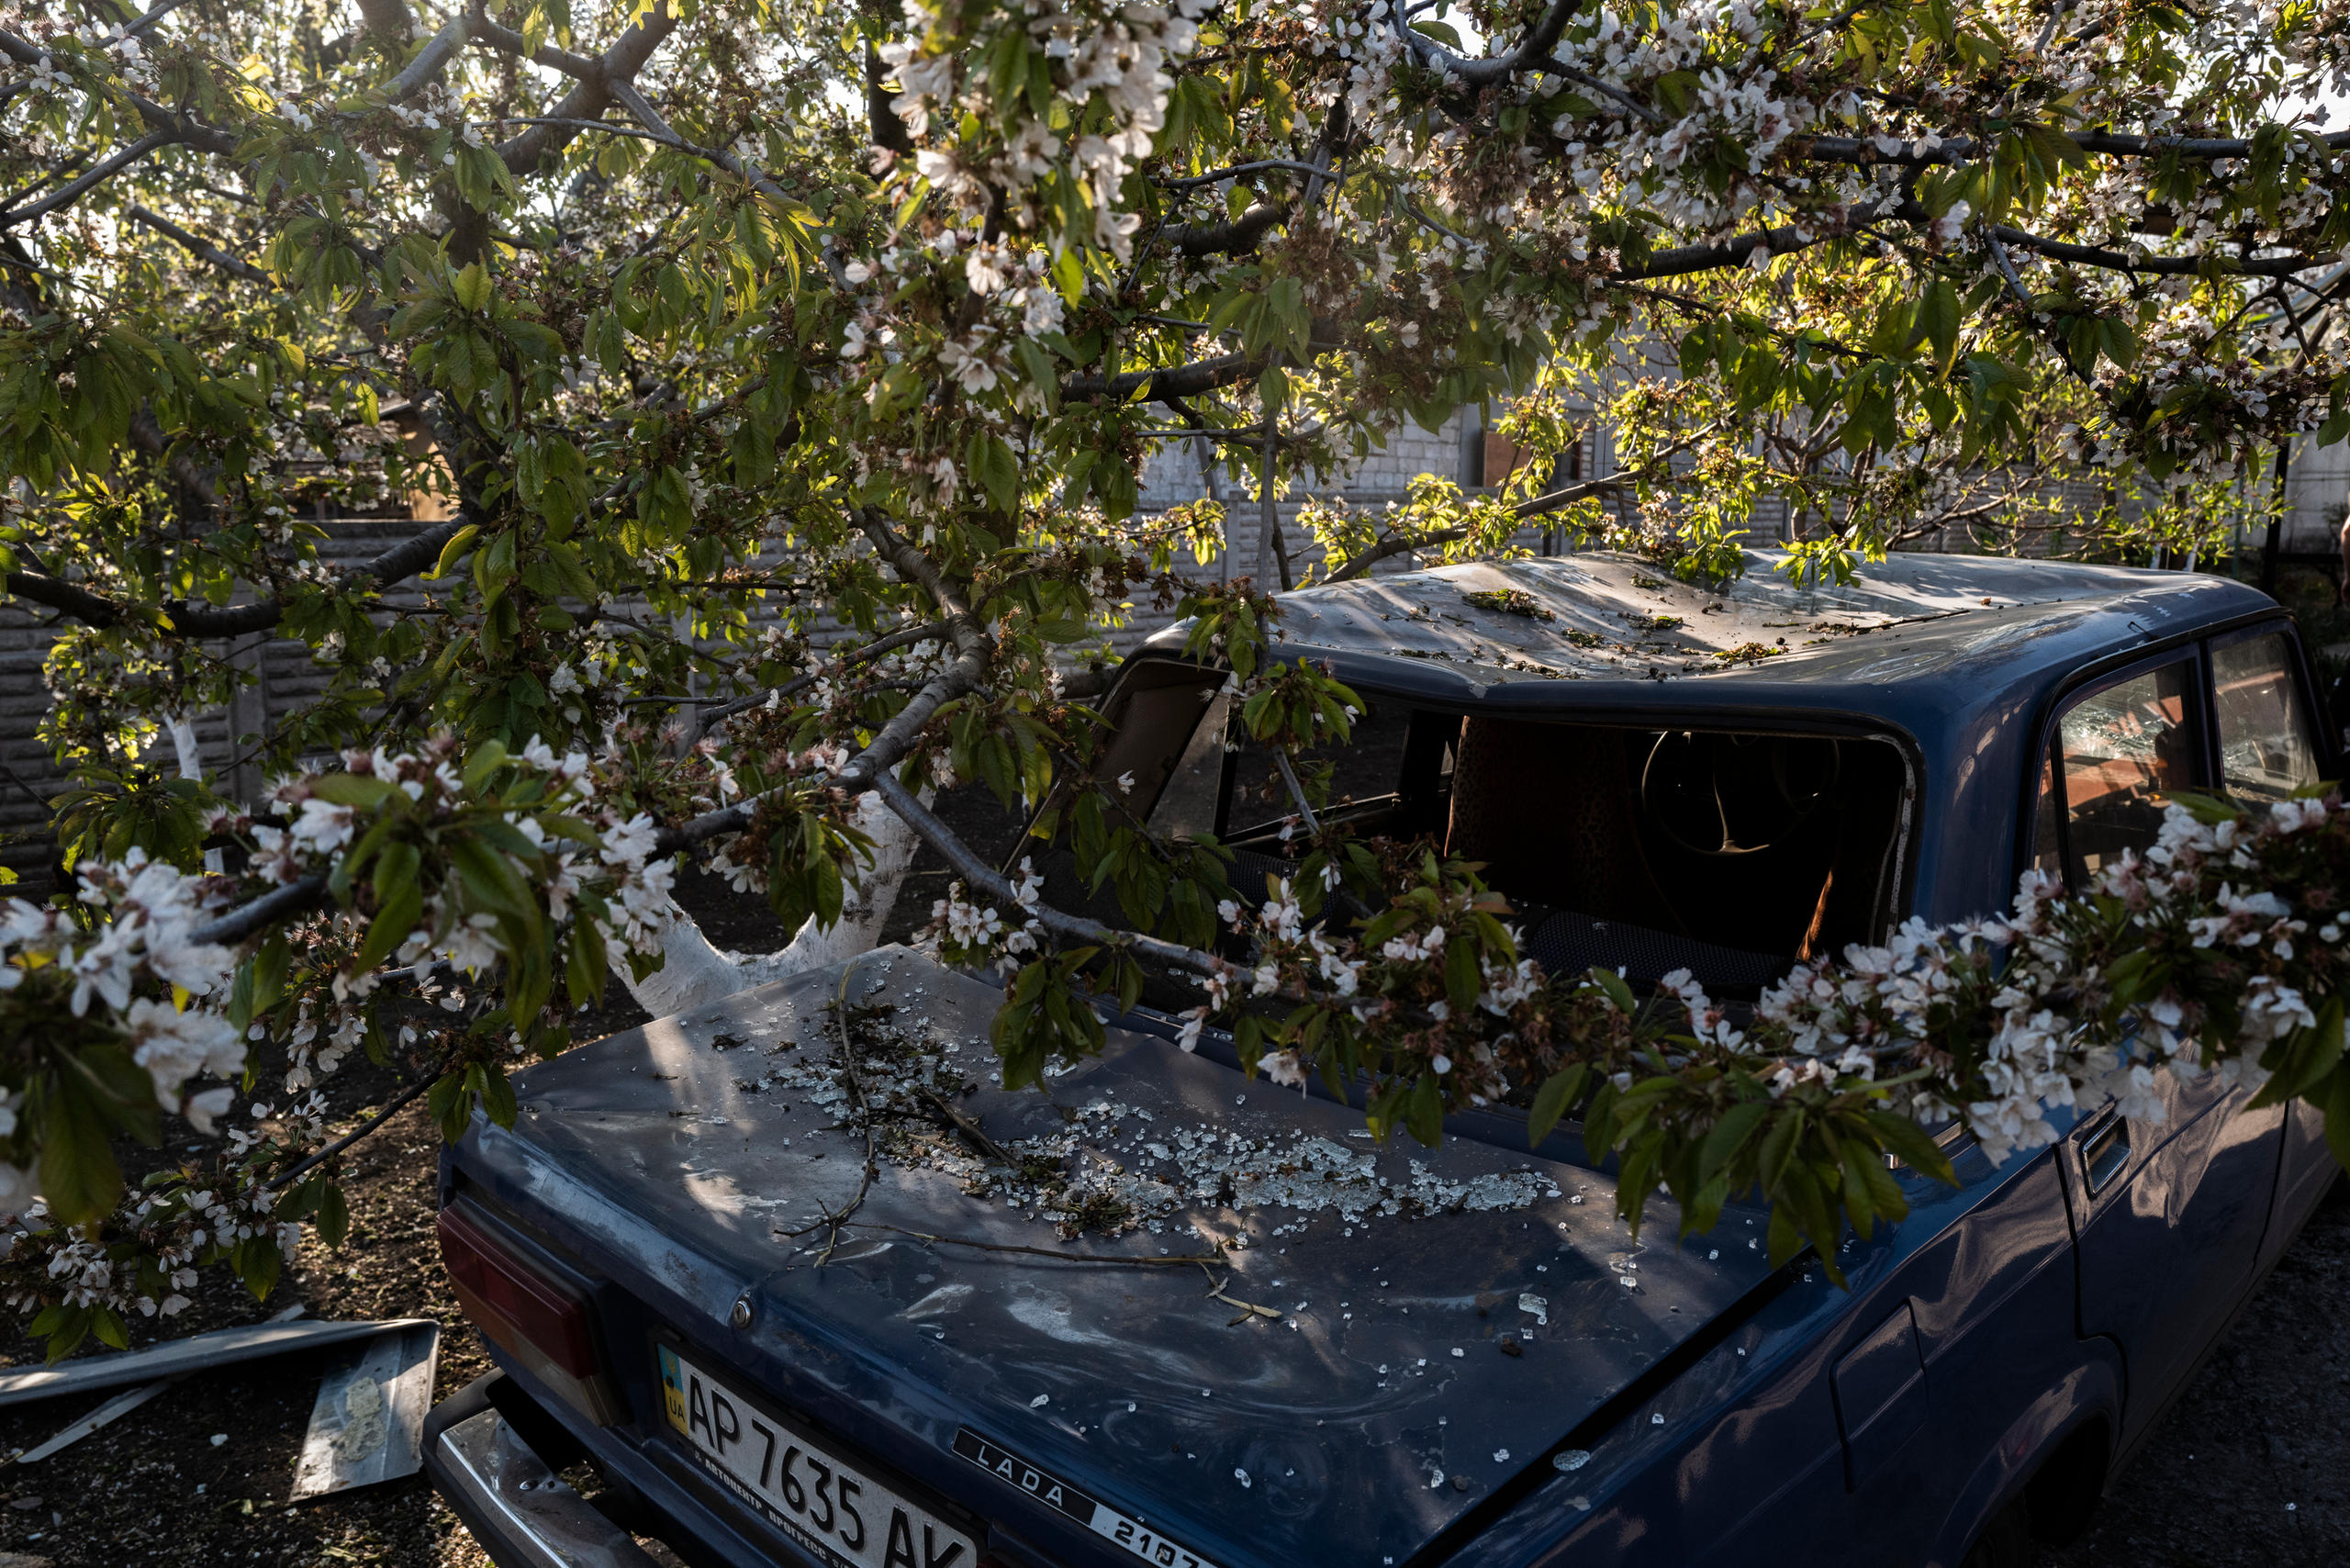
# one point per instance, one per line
(2250, 1470)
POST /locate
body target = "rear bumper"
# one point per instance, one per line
(518, 1508)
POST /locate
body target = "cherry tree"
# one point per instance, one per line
(804, 356)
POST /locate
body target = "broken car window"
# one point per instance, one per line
(1187, 807)
(1159, 712)
(2047, 845)
(1731, 854)
(2267, 745)
(2122, 752)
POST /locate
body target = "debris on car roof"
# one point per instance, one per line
(1608, 615)
(1103, 1166)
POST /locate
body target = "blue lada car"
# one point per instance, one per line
(788, 1280)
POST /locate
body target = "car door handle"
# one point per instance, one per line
(2106, 1153)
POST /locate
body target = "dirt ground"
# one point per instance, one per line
(200, 1474)
(2250, 1470)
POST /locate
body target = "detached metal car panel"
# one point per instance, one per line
(1407, 1356)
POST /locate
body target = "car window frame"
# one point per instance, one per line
(2313, 703)
(1145, 670)
(2089, 683)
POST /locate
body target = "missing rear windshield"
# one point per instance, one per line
(1734, 854)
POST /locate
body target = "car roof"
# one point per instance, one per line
(1606, 616)
(1956, 656)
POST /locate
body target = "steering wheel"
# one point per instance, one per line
(1724, 795)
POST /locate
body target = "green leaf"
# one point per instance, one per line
(2208, 809)
(1729, 1135)
(490, 881)
(356, 791)
(107, 1325)
(2054, 148)
(396, 862)
(78, 1173)
(334, 1220)
(1907, 1141)
(450, 1105)
(1273, 386)
(63, 1328)
(269, 972)
(827, 891)
(394, 919)
(471, 287)
(1617, 992)
(1599, 1120)
(1635, 1179)
(1559, 1091)
(1675, 89)
(1464, 978)
(999, 473)
(1859, 1193)
(486, 760)
(1938, 318)
(1778, 1149)
(1783, 1240)
(496, 1093)
(583, 962)
(258, 1262)
(2333, 1100)
(2311, 1056)
(1704, 1210)
(1423, 1112)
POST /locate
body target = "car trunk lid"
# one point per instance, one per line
(1314, 1349)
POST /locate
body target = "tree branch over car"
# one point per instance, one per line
(905, 302)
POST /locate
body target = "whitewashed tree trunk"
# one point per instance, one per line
(695, 971)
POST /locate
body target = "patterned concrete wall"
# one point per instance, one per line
(285, 678)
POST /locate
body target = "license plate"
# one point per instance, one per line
(845, 1516)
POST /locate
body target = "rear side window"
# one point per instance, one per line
(2119, 757)
(2267, 745)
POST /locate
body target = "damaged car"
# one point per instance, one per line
(788, 1278)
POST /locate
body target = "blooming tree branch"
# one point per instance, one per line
(800, 362)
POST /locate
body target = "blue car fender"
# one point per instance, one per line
(2090, 1394)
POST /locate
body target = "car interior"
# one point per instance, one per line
(1732, 853)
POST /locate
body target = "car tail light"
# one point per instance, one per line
(539, 1320)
